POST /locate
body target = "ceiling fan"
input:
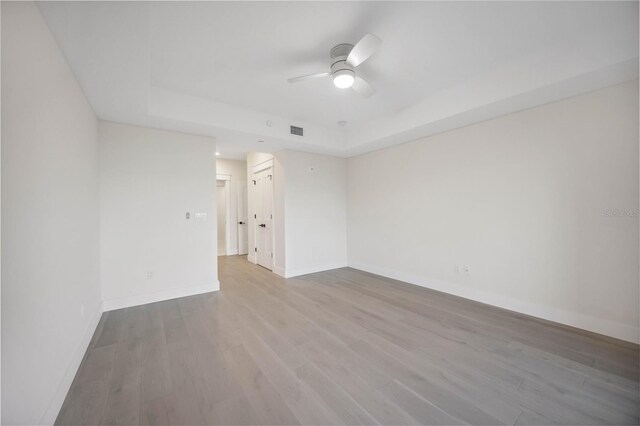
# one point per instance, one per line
(344, 59)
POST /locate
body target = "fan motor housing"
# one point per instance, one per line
(339, 56)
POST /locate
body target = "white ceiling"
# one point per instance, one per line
(220, 68)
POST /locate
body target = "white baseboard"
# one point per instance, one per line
(159, 296)
(290, 273)
(278, 270)
(251, 257)
(109, 305)
(72, 368)
(573, 319)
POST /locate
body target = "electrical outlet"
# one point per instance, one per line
(150, 275)
(466, 270)
(311, 169)
(456, 268)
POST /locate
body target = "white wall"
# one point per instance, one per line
(50, 253)
(315, 211)
(524, 201)
(279, 252)
(149, 180)
(238, 172)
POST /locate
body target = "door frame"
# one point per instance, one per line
(265, 165)
(227, 199)
(245, 203)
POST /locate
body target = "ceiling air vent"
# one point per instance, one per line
(296, 131)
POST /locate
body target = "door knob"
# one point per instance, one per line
(240, 223)
(263, 225)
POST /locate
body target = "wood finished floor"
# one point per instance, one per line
(344, 347)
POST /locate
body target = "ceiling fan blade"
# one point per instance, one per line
(308, 77)
(363, 88)
(363, 49)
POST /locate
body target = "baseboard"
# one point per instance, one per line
(279, 271)
(251, 257)
(573, 319)
(72, 368)
(290, 273)
(143, 299)
(109, 305)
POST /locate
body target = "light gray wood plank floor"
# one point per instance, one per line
(344, 347)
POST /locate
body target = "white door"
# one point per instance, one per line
(243, 219)
(264, 218)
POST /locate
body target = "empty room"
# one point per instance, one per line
(320, 213)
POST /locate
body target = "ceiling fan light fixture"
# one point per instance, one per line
(343, 79)
(344, 58)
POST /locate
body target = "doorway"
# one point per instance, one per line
(222, 203)
(263, 189)
(243, 220)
